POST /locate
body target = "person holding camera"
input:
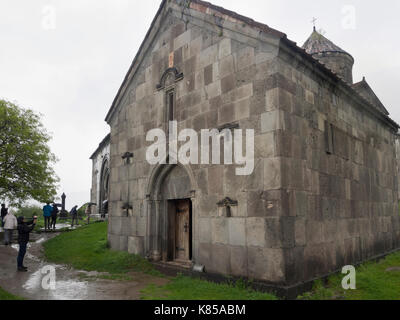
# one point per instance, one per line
(24, 229)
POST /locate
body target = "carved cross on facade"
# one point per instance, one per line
(227, 203)
(127, 207)
(127, 156)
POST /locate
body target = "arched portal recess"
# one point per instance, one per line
(171, 214)
(104, 187)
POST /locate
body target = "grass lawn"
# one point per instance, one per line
(4, 295)
(373, 282)
(186, 288)
(86, 249)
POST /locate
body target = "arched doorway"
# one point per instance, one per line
(104, 188)
(171, 208)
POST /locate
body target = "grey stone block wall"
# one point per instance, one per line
(344, 205)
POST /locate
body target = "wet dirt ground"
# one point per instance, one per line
(70, 284)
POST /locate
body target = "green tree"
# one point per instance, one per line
(26, 161)
(29, 211)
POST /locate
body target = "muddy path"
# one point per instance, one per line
(70, 284)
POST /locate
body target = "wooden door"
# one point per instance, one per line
(182, 230)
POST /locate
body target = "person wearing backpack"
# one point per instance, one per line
(54, 215)
(74, 215)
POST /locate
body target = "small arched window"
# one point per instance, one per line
(167, 83)
(170, 95)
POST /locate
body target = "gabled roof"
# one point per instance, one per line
(217, 11)
(368, 94)
(317, 43)
(102, 144)
(208, 7)
(204, 7)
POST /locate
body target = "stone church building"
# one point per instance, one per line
(324, 191)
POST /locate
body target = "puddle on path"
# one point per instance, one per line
(70, 284)
(27, 255)
(62, 225)
(70, 290)
(65, 289)
(66, 286)
(40, 240)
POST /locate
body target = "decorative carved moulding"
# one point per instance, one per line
(177, 76)
(229, 126)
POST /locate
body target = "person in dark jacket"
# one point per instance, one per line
(3, 213)
(54, 215)
(24, 229)
(74, 215)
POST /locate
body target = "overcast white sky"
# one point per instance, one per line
(67, 59)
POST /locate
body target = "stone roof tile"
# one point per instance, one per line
(317, 43)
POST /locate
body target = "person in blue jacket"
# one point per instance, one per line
(47, 210)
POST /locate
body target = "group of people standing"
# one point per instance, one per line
(10, 223)
(50, 214)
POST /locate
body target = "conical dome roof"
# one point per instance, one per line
(330, 55)
(317, 43)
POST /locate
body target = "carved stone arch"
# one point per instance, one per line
(158, 176)
(164, 177)
(170, 72)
